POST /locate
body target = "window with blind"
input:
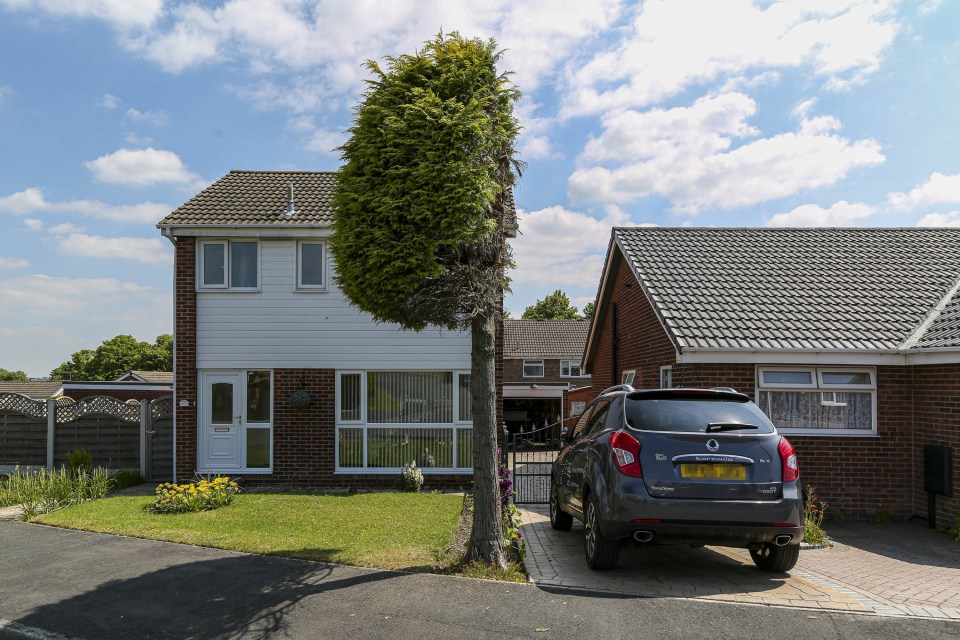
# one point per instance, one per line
(387, 419)
(819, 401)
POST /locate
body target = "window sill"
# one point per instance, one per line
(394, 472)
(310, 290)
(225, 290)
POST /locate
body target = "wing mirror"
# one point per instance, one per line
(565, 435)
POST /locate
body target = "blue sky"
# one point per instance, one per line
(734, 113)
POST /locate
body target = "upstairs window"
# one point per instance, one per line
(311, 266)
(533, 368)
(229, 264)
(822, 401)
(570, 369)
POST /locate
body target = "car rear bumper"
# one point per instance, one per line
(714, 533)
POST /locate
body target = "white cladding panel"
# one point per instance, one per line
(281, 328)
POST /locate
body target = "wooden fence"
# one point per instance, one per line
(119, 435)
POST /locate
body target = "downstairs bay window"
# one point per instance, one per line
(387, 419)
(819, 400)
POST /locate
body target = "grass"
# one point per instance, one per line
(388, 530)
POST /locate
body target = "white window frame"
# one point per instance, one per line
(299, 275)
(629, 376)
(244, 425)
(827, 394)
(569, 366)
(666, 374)
(464, 467)
(543, 368)
(202, 286)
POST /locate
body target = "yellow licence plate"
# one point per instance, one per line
(714, 471)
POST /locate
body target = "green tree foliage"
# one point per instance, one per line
(116, 356)
(555, 306)
(418, 218)
(6, 375)
(588, 311)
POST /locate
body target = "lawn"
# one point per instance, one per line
(388, 530)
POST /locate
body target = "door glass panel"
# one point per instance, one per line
(213, 262)
(258, 396)
(243, 265)
(221, 403)
(258, 448)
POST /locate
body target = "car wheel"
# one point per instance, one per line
(559, 520)
(600, 551)
(777, 559)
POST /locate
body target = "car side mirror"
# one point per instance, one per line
(565, 435)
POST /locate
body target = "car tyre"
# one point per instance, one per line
(559, 520)
(600, 551)
(776, 559)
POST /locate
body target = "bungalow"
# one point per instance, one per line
(278, 378)
(848, 339)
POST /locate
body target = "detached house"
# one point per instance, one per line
(848, 339)
(277, 377)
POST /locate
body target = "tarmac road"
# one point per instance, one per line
(88, 585)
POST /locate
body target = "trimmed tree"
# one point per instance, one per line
(419, 220)
(555, 306)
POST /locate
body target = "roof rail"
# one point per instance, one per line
(619, 387)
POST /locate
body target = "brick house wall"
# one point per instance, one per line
(513, 372)
(858, 477)
(304, 440)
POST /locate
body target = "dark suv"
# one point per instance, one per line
(690, 466)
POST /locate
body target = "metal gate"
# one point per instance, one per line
(159, 450)
(530, 455)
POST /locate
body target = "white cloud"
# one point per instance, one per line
(938, 189)
(141, 167)
(57, 296)
(65, 229)
(840, 214)
(7, 262)
(5, 92)
(563, 248)
(685, 154)
(951, 219)
(675, 44)
(146, 250)
(109, 101)
(155, 118)
(136, 139)
(31, 201)
(122, 14)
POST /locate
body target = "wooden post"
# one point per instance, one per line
(51, 428)
(144, 449)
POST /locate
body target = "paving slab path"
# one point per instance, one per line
(902, 569)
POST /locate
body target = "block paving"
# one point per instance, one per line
(902, 569)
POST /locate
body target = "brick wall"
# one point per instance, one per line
(513, 372)
(936, 407)
(185, 357)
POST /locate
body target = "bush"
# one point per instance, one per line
(80, 460)
(411, 478)
(813, 512)
(41, 491)
(126, 478)
(511, 515)
(195, 496)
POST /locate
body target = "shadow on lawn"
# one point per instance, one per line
(244, 596)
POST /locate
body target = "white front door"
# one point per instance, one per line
(220, 423)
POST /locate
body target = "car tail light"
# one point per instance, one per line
(791, 470)
(626, 454)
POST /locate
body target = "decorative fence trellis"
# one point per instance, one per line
(119, 435)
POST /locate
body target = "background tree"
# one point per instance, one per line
(555, 306)
(116, 356)
(418, 219)
(13, 375)
(588, 311)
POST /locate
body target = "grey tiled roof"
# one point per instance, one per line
(834, 288)
(260, 197)
(32, 388)
(157, 377)
(544, 338)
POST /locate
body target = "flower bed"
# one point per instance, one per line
(195, 496)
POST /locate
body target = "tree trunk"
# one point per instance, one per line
(486, 537)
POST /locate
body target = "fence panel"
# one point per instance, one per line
(23, 431)
(104, 426)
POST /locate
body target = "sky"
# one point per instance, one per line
(672, 113)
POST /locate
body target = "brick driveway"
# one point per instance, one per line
(902, 569)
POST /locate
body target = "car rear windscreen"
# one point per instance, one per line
(696, 415)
